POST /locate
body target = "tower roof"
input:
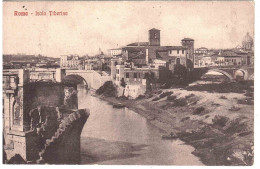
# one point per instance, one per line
(154, 29)
(247, 38)
(187, 39)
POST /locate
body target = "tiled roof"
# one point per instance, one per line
(139, 44)
(229, 54)
(187, 39)
(139, 61)
(154, 29)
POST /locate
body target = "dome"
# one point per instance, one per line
(248, 39)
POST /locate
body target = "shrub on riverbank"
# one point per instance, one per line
(198, 110)
(107, 89)
(156, 98)
(171, 98)
(220, 120)
(165, 94)
(180, 102)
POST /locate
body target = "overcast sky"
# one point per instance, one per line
(93, 25)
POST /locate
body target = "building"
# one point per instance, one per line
(72, 62)
(201, 51)
(143, 63)
(189, 43)
(144, 53)
(248, 43)
(115, 52)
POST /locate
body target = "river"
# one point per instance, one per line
(123, 137)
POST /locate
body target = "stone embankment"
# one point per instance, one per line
(64, 146)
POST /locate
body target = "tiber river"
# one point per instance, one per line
(123, 137)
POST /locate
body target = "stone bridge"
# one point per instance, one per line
(21, 97)
(232, 73)
(90, 78)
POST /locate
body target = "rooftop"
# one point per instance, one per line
(187, 39)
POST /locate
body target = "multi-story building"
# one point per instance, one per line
(142, 63)
(72, 62)
(144, 53)
(115, 52)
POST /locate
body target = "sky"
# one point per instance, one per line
(105, 25)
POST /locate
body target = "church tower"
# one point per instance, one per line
(154, 37)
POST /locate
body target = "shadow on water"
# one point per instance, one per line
(98, 150)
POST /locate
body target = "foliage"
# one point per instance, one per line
(180, 102)
(220, 120)
(107, 89)
(156, 98)
(171, 98)
(198, 110)
(165, 94)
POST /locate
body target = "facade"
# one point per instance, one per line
(143, 62)
(189, 43)
(72, 62)
(115, 52)
(248, 43)
(144, 53)
(201, 51)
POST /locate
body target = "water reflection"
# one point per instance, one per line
(121, 136)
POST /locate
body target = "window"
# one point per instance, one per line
(146, 75)
(170, 51)
(155, 35)
(178, 61)
(182, 51)
(139, 75)
(127, 75)
(177, 51)
(135, 75)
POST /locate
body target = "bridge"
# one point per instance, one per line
(91, 78)
(231, 72)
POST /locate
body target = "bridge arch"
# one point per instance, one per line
(222, 72)
(244, 74)
(75, 79)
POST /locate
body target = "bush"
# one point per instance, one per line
(171, 98)
(107, 89)
(247, 101)
(159, 92)
(165, 94)
(198, 110)
(156, 98)
(180, 102)
(184, 119)
(220, 120)
(190, 95)
(140, 97)
(223, 97)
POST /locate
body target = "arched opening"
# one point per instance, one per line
(241, 74)
(75, 80)
(216, 75)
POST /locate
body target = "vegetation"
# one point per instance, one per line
(165, 94)
(156, 98)
(171, 98)
(198, 110)
(220, 120)
(107, 89)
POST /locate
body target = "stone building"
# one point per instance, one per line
(72, 62)
(248, 43)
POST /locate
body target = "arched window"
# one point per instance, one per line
(178, 61)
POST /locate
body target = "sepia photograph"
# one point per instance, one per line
(165, 83)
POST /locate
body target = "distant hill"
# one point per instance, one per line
(28, 58)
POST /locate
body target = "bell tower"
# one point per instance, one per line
(154, 37)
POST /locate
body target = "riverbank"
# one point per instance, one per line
(216, 119)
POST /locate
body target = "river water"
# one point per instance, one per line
(123, 137)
